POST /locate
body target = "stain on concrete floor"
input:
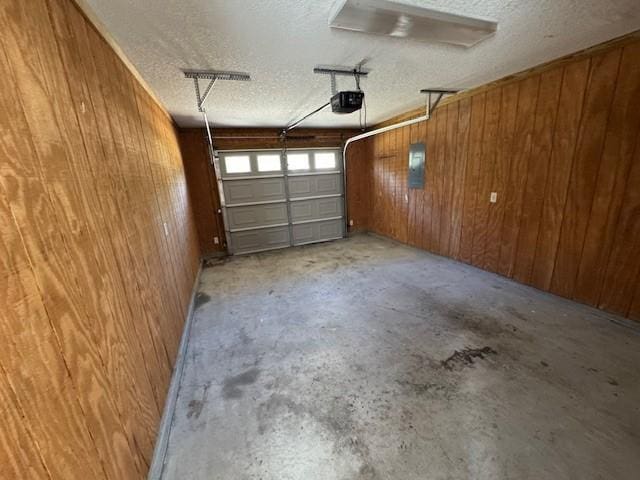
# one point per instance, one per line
(196, 405)
(232, 386)
(201, 299)
(365, 359)
(467, 357)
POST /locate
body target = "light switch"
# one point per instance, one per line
(494, 197)
(216, 240)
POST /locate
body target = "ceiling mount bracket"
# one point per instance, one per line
(333, 71)
(213, 76)
(439, 94)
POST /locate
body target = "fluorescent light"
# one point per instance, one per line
(384, 17)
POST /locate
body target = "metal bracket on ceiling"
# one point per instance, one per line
(439, 94)
(212, 76)
(333, 71)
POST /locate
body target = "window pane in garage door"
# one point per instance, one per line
(325, 160)
(269, 163)
(237, 164)
(298, 161)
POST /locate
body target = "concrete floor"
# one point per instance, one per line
(366, 359)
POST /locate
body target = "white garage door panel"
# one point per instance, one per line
(315, 185)
(318, 231)
(257, 216)
(255, 190)
(266, 206)
(262, 239)
(329, 207)
(304, 210)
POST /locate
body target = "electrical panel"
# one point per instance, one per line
(417, 158)
(347, 101)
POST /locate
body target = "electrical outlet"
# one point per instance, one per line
(494, 197)
(351, 223)
(216, 240)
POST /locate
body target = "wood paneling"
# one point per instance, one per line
(621, 135)
(514, 193)
(203, 190)
(203, 186)
(437, 178)
(559, 145)
(485, 179)
(472, 176)
(620, 290)
(459, 175)
(448, 178)
(245, 138)
(585, 170)
(429, 134)
(537, 170)
(570, 105)
(98, 246)
(501, 171)
(358, 200)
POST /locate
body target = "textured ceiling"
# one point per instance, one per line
(280, 41)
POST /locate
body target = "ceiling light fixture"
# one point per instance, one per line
(384, 17)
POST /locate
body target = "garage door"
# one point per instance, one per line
(274, 199)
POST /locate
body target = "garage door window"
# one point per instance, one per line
(325, 161)
(298, 161)
(237, 164)
(268, 163)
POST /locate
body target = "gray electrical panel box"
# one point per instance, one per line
(417, 157)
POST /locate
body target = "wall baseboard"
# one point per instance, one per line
(162, 440)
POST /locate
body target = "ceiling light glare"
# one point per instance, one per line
(384, 17)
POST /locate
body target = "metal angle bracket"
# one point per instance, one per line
(212, 76)
(439, 92)
(334, 71)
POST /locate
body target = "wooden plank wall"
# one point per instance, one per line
(93, 293)
(561, 147)
(203, 190)
(203, 184)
